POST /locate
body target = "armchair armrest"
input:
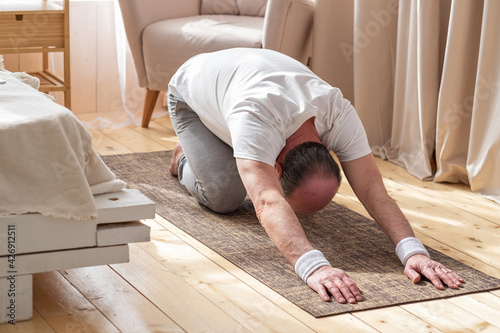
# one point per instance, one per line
(288, 28)
(138, 14)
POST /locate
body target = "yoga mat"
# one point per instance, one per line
(349, 241)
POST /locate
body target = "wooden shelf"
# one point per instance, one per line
(30, 6)
(38, 27)
(49, 81)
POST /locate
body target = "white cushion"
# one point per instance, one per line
(227, 7)
(168, 44)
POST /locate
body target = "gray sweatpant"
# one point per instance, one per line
(207, 169)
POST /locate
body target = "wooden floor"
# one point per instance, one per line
(176, 284)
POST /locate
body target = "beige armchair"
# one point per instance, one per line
(163, 34)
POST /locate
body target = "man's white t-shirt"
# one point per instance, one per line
(254, 99)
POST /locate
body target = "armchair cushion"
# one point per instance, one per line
(181, 38)
(227, 7)
(234, 7)
(252, 7)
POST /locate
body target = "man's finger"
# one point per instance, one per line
(345, 291)
(321, 290)
(337, 283)
(412, 275)
(449, 278)
(354, 290)
(430, 273)
(337, 294)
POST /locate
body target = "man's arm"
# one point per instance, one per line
(283, 227)
(366, 181)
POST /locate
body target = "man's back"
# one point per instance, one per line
(254, 99)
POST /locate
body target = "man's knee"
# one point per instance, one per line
(223, 188)
(222, 195)
(225, 204)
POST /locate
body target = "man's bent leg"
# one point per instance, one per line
(207, 169)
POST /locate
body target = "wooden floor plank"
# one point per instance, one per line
(455, 195)
(395, 320)
(190, 309)
(251, 309)
(115, 298)
(36, 325)
(133, 140)
(164, 136)
(448, 317)
(345, 323)
(105, 145)
(64, 308)
(483, 305)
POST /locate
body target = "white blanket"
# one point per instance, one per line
(47, 163)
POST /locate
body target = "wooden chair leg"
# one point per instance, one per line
(149, 105)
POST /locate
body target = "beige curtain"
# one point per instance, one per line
(424, 76)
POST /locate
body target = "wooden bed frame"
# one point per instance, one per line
(32, 243)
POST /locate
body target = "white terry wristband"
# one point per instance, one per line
(309, 262)
(410, 246)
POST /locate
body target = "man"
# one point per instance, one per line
(256, 121)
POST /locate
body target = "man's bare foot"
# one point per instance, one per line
(174, 165)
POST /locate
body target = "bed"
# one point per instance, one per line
(60, 205)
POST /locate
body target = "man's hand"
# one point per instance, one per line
(335, 281)
(438, 274)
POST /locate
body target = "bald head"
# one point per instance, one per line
(313, 194)
(310, 177)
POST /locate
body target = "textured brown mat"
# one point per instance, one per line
(349, 240)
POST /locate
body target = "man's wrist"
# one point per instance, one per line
(309, 262)
(408, 247)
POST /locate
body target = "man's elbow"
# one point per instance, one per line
(264, 206)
